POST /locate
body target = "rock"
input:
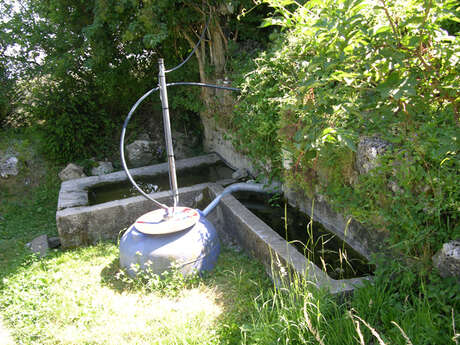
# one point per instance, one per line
(394, 187)
(181, 148)
(143, 136)
(369, 150)
(54, 242)
(140, 153)
(184, 145)
(71, 172)
(9, 166)
(102, 168)
(447, 259)
(287, 159)
(240, 174)
(39, 245)
(198, 199)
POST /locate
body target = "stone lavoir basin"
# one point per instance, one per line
(333, 255)
(80, 223)
(97, 208)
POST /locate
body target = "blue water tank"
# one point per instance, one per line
(194, 249)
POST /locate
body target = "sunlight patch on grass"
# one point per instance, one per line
(72, 299)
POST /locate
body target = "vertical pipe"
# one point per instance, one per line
(167, 129)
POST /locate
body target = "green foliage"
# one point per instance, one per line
(83, 293)
(27, 202)
(5, 87)
(10, 96)
(345, 70)
(88, 62)
(74, 124)
(401, 294)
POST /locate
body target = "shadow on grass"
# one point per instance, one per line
(27, 210)
(235, 283)
(112, 277)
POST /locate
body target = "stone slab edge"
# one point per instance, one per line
(84, 225)
(361, 239)
(215, 139)
(74, 193)
(364, 241)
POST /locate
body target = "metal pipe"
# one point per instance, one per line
(168, 136)
(237, 187)
(128, 118)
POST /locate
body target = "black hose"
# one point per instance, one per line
(204, 85)
(193, 51)
(128, 118)
(122, 148)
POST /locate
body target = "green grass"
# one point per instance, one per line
(77, 297)
(27, 201)
(378, 313)
(81, 296)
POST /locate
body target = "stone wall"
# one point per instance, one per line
(215, 140)
(233, 221)
(84, 225)
(364, 241)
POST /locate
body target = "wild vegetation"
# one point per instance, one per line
(81, 296)
(333, 72)
(341, 71)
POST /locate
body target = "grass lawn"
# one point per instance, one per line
(78, 297)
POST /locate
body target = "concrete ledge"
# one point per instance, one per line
(84, 225)
(364, 241)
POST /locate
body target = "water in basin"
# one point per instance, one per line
(311, 239)
(185, 177)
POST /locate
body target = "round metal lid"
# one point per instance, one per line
(156, 222)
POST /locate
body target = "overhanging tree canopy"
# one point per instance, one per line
(96, 57)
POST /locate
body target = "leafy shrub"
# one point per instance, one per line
(6, 94)
(74, 124)
(342, 70)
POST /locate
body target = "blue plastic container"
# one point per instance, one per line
(195, 249)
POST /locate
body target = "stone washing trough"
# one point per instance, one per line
(81, 224)
(234, 222)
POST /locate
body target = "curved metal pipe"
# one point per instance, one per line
(128, 118)
(238, 187)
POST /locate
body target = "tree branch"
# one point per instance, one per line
(387, 13)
